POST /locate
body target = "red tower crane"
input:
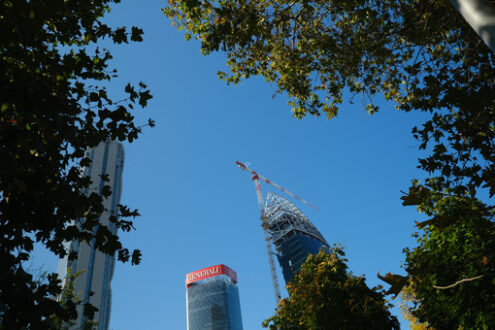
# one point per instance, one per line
(256, 177)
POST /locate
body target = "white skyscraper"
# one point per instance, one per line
(96, 269)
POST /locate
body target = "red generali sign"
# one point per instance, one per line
(210, 272)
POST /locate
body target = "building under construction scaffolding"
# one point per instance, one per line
(293, 235)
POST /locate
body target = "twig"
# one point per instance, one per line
(287, 8)
(458, 282)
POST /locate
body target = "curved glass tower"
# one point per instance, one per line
(293, 235)
(213, 299)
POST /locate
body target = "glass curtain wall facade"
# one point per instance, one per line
(96, 269)
(293, 235)
(213, 299)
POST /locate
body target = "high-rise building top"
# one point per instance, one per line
(213, 299)
(95, 269)
(293, 235)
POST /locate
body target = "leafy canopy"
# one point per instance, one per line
(418, 53)
(452, 269)
(53, 106)
(324, 295)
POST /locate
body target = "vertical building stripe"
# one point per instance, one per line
(91, 263)
(104, 313)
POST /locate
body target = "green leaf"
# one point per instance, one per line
(397, 282)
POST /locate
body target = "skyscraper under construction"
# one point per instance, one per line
(284, 225)
(293, 235)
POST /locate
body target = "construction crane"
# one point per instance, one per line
(264, 221)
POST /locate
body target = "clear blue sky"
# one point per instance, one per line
(198, 209)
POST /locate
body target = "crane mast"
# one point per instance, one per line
(269, 251)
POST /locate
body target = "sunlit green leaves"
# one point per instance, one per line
(446, 254)
(323, 295)
(421, 56)
(455, 243)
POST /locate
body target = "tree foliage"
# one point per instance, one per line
(452, 270)
(53, 105)
(406, 299)
(69, 299)
(323, 295)
(419, 53)
(421, 56)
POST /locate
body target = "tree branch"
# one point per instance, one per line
(458, 282)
